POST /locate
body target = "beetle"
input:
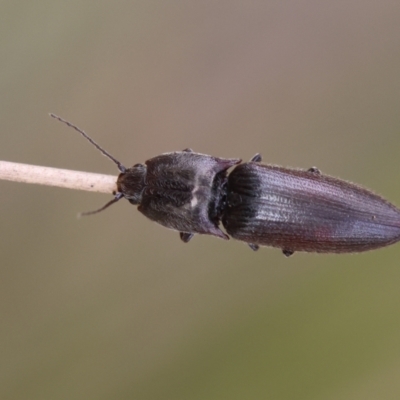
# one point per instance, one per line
(259, 204)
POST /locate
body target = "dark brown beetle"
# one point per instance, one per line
(259, 204)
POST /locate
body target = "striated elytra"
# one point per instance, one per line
(306, 211)
(259, 204)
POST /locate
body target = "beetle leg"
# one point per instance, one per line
(314, 170)
(287, 252)
(253, 246)
(185, 237)
(256, 158)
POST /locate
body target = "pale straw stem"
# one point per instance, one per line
(57, 177)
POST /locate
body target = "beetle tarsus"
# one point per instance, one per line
(256, 158)
(253, 246)
(287, 253)
(185, 237)
(314, 170)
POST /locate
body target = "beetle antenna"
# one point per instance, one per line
(117, 197)
(85, 135)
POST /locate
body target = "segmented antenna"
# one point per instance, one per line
(117, 197)
(82, 132)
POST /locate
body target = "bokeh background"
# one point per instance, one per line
(116, 307)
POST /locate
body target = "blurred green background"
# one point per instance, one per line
(116, 307)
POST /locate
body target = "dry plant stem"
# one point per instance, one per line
(57, 177)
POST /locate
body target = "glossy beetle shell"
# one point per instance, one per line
(306, 211)
(180, 190)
